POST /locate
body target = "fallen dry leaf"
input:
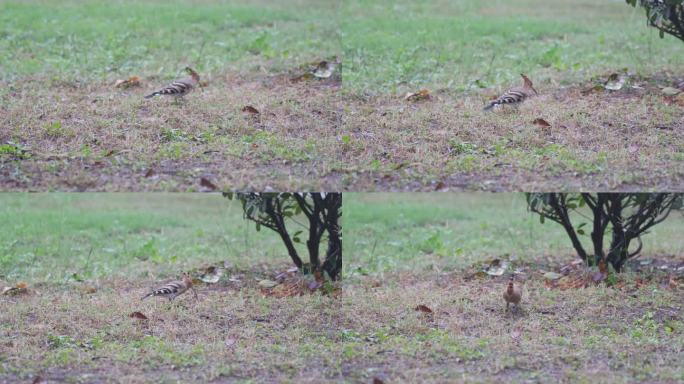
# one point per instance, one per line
(88, 289)
(132, 81)
(18, 289)
(137, 315)
(541, 122)
(250, 110)
(423, 94)
(150, 172)
(378, 381)
(208, 184)
(679, 100)
(423, 308)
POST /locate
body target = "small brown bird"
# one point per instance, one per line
(512, 294)
(515, 95)
(179, 88)
(173, 289)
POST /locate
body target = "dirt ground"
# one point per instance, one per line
(631, 332)
(312, 134)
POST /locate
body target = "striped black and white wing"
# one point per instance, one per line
(512, 96)
(177, 88)
(170, 290)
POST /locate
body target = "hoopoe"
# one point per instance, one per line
(179, 88)
(512, 294)
(515, 95)
(173, 289)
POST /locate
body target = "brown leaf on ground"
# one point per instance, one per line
(133, 81)
(288, 289)
(150, 172)
(603, 266)
(423, 308)
(679, 100)
(378, 381)
(572, 266)
(88, 289)
(572, 281)
(440, 186)
(137, 315)
(541, 123)
(248, 109)
(18, 289)
(421, 95)
(206, 183)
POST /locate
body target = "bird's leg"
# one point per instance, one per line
(195, 293)
(507, 304)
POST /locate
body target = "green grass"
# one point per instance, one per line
(78, 39)
(392, 46)
(395, 232)
(50, 237)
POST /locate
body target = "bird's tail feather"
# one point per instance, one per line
(146, 296)
(151, 95)
(491, 105)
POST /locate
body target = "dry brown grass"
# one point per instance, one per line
(97, 137)
(309, 135)
(626, 140)
(233, 333)
(587, 335)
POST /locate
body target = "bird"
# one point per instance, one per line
(173, 289)
(180, 87)
(515, 95)
(512, 294)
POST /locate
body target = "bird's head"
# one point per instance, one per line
(510, 285)
(187, 279)
(527, 83)
(192, 73)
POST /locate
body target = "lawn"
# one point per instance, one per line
(467, 52)
(64, 125)
(88, 258)
(406, 250)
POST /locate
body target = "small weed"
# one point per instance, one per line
(56, 129)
